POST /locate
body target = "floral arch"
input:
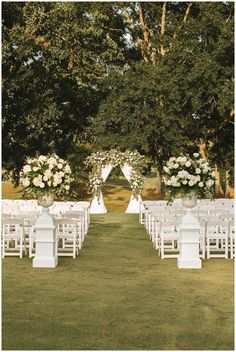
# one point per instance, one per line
(101, 164)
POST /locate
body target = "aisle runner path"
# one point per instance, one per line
(117, 295)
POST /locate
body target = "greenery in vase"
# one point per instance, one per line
(184, 175)
(46, 175)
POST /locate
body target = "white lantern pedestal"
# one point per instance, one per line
(45, 253)
(189, 242)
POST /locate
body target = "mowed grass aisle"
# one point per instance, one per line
(118, 294)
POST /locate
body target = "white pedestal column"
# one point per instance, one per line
(97, 205)
(189, 243)
(45, 254)
(134, 205)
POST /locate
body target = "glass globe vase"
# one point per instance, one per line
(45, 200)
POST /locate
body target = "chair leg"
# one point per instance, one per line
(162, 248)
(208, 248)
(74, 247)
(231, 247)
(226, 249)
(3, 246)
(21, 246)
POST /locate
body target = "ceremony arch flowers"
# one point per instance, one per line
(186, 174)
(46, 175)
(97, 161)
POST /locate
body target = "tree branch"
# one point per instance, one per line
(163, 17)
(184, 19)
(145, 33)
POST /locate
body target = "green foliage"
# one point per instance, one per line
(152, 76)
(55, 56)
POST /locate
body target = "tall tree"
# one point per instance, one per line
(55, 57)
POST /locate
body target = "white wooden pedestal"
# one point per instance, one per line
(189, 243)
(45, 254)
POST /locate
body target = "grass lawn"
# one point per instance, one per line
(117, 295)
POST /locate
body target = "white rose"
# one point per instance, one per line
(36, 182)
(60, 166)
(195, 155)
(45, 178)
(200, 184)
(35, 168)
(67, 187)
(26, 169)
(209, 183)
(184, 182)
(166, 169)
(61, 173)
(184, 159)
(176, 165)
(197, 178)
(198, 171)
(42, 158)
(188, 163)
(48, 173)
(26, 182)
(67, 169)
(205, 170)
(52, 161)
(42, 185)
(168, 183)
(55, 184)
(50, 166)
(49, 183)
(191, 183)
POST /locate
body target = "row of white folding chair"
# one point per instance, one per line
(219, 237)
(179, 211)
(27, 234)
(153, 225)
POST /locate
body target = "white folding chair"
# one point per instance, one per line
(12, 237)
(66, 237)
(169, 240)
(232, 239)
(216, 239)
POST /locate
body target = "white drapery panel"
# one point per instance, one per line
(97, 204)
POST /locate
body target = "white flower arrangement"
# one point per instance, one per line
(46, 174)
(185, 174)
(136, 183)
(98, 160)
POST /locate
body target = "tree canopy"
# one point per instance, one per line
(154, 76)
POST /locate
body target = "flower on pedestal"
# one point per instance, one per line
(188, 176)
(46, 177)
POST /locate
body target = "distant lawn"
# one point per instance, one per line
(116, 192)
(117, 295)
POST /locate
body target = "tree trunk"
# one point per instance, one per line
(218, 188)
(227, 186)
(158, 184)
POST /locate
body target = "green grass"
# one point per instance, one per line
(117, 295)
